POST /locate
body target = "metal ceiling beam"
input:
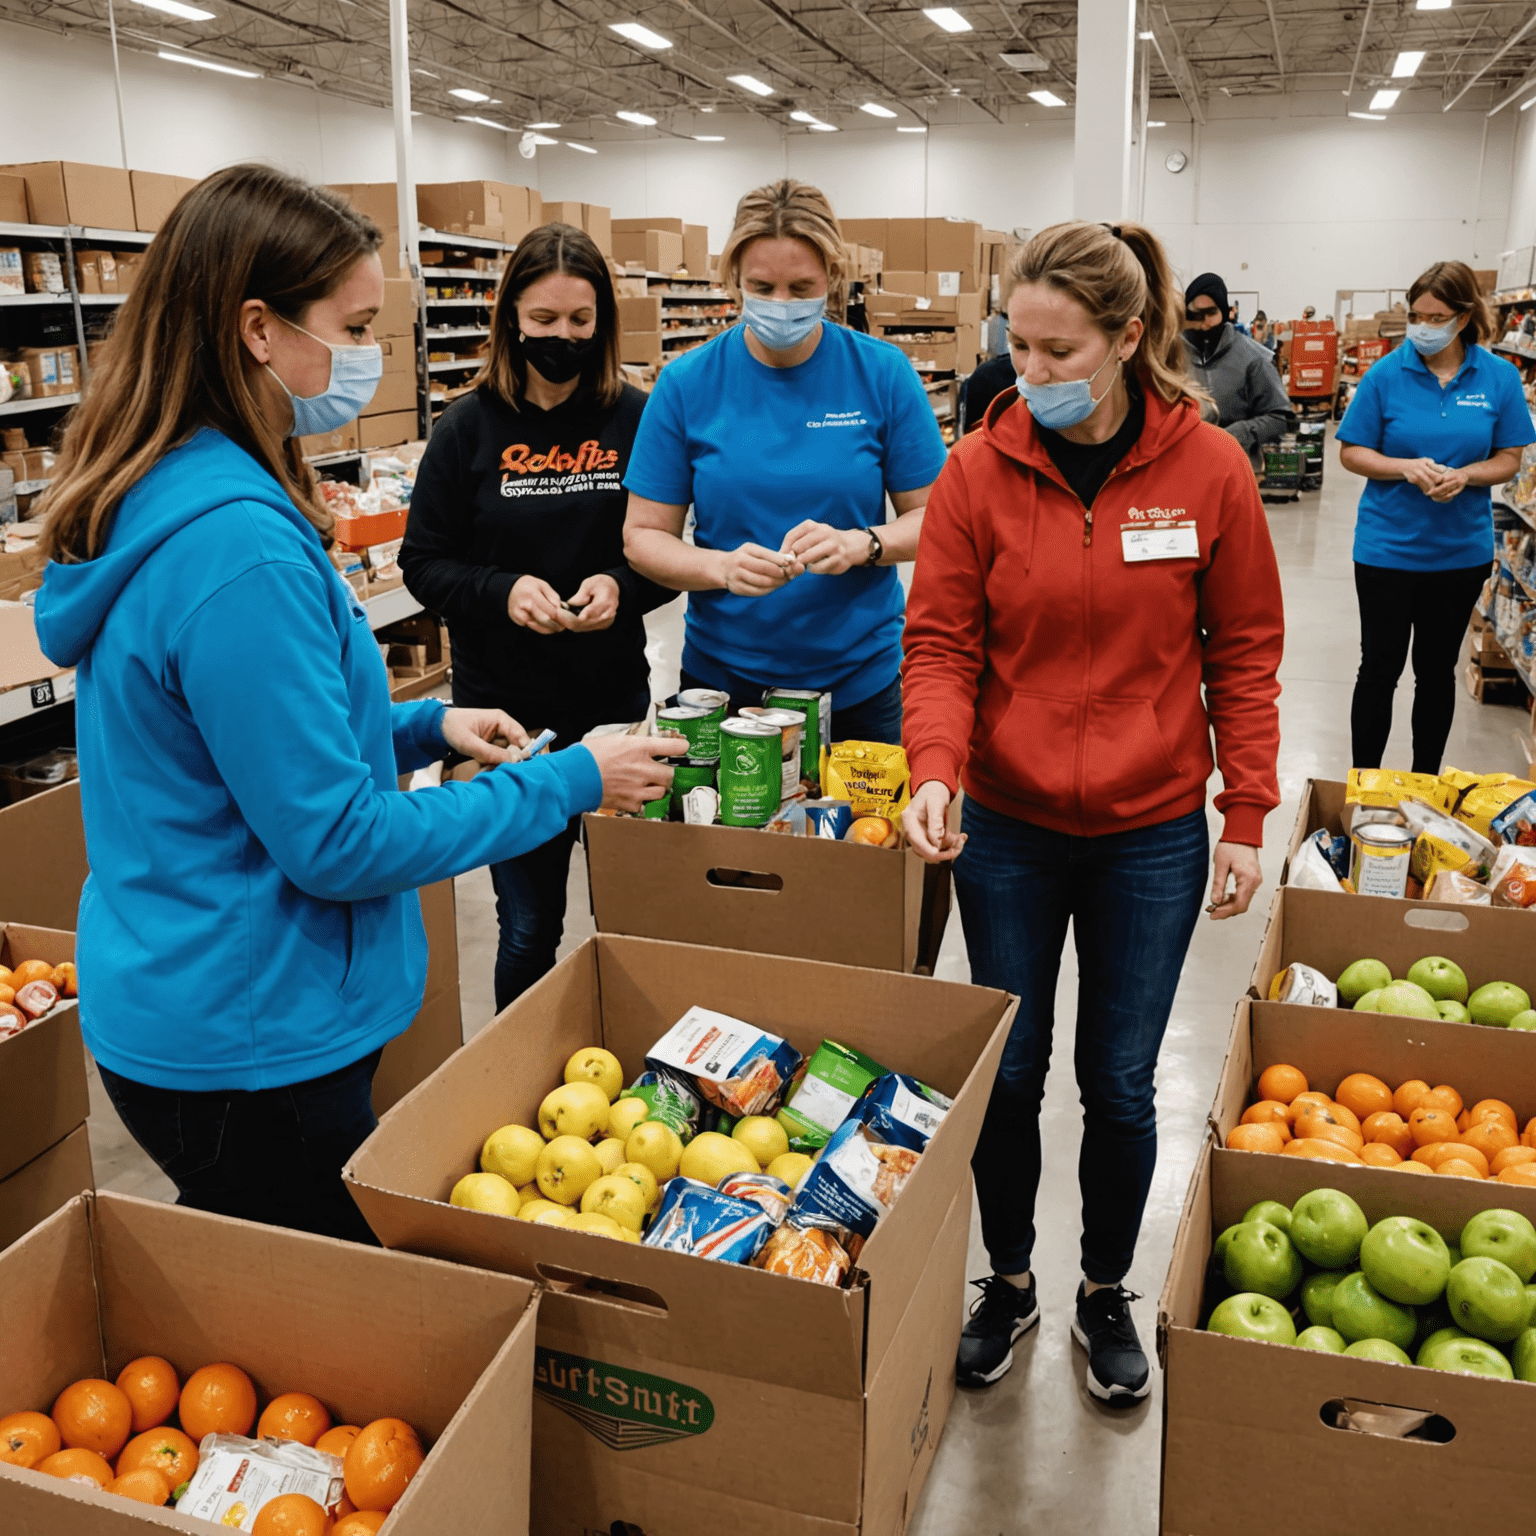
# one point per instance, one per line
(1523, 89)
(1365, 26)
(1274, 27)
(1525, 27)
(1189, 87)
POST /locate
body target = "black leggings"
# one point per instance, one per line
(1434, 607)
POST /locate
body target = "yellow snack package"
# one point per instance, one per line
(871, 775)
(1389, 786)
(1481, 804)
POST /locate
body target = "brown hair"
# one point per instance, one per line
(176, 362)
(1118, 274)
(551, 248)
(789, 210)
(1453, 283)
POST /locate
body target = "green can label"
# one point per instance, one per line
(816, 707)
(698, 727)
(750, 775)
(625, 1409)
(657, 809)
(691, 773)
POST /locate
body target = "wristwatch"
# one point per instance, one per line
(876, 548)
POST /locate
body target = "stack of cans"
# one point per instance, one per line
(697, 717)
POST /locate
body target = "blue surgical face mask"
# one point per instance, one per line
(1066, 404)
(781, 324)
(355, 375)
(1427, 340)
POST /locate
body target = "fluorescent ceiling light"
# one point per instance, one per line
(1383, 100)
(1434, 5)
(464, 93)
(536, 126)
(176, 8)
(200, 63)
(709, 138)
(541, 138)
(638, 34)
(1526, 105)
(1370, 117)
(706, 109)
(586, 149)
(427, 72)
(947, 17)
(1026, 62)
(639, 119)
(485, 122)
(751, 83)
(1047, 98)
(1156, 122)
(1407, 64)
(804, 117)
(1146, 37)
(905, 129)
(876, 110)
(823, 128)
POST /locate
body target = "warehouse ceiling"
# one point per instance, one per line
(560, 61)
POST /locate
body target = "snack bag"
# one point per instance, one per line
(805, 1253)
(237, 1476)
(872, 776)
(835, 1078)
(1513, 880)
(1388, 786)
(1302, 984)
(1311, 869)
(762, 1189)
(672, 1102)
(731, 1064)
(1481, 806)
(1451, 885)
(693, 1218)
(1518, 823)
(1443, 843)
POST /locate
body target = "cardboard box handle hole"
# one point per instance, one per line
(745, 879)
(1388, 1421)
(639, 1297)
(1430, 917)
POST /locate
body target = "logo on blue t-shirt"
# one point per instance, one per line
(841, 419)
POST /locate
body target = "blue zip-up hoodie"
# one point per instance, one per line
(250, 919)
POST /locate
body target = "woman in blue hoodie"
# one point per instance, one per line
(249, 936)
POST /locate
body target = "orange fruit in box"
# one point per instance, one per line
(7, 994)
(1429, 1125)
(29, 971)
(1412, 1167)
(1510, 1157)
(363, 1523)
(218, 1400)
(1485, 1107)
(1282, 1082)
(1363, 1095)
(145, 1486)
(294, 1416)
(1461, 1168)
(1437, 1153)
(1528, 1135)
(1389, 1129)
(1269, 1112)
(1256, 1138)
(1310, 1099)
(1444, 1097)
(1377, 1154)
(67, 979)
(77, 1463)
(1330, 1151)
(1321, 1128)
(153, 1390)
(334, 1441)
(383, 1459)
(93, 1415)
(1406, 1099)
(1490, 1137)
(164, 1450)
(291, 1514)
(1523, 1174)
(27, 1438)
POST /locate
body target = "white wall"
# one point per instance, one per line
(1310, 200)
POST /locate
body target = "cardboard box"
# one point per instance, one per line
(43, 1091)
(44, 272)
(1239, 1415)
(570, 213)
(13, 273)
(437, 1031)
(342, 440)
(45, 836)
(640, 346)
(640, 226)
(32, 1194)
(910, 284)
(906, 244)
(154, 196)
(63, 192)
(856, 1382)
(13, 200)
(657, 250)
(397, 389)
(696, 249)
(129, 265)
(954, 245)
(870, 232)
(809, 896)
(21, 662)
(398, 316)
(489, 210)
(640, 314)
(940, 310)
(448, 1349)
(387, 431)
(600, 226)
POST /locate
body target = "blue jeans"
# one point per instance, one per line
(1133, 899)
(877, 718)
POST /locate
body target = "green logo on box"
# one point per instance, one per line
(624, 1409)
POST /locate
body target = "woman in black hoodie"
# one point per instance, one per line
(516, 538)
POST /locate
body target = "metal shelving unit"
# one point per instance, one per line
(41, 403)
(442, 319)
(684, 298)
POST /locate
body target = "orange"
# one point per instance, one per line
(1363, 1095)
(26, 1438)
(77, 1463)
(1310, 1146)
(1528, 1135)
(1256, 1138)
(146, 1486)
(385, 1456)
(6, 977)
(1484, 1107)
(1408, 1094)
(1444, 1097)
(1510, 1157)
(344, 1506)
(1491, 1137)
(1519, 1173)
(334, 1441)
(93, 1415)
(29, 971)
(218, 1400)
(1282, 1082)
(363, 1523)
(1390, 1129)
(1310, 1099)
(1269, 1112)
(1411, 1167)
(1342, 1114)
(67, 979)
(1461, 1168)
(7, 994)
(1430, 1125)
(294, 1416)
(869, 829)
(152, 1388)
(1438, 1153)
(291, 1514)
(165, 1450)
(1377, 1154)
(1324, 1129)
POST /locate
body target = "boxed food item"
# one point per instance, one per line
(44, 272)
(13, 200)
(64, 192)
(13, 276)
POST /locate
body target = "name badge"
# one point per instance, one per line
(1159, 541)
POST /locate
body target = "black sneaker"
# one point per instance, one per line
(999, 1315)
(1117, 1365)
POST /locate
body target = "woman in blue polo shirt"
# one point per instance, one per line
(786, 433)
(1432, 426)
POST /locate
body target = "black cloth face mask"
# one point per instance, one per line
(558, 358)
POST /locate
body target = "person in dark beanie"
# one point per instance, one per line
(1237, 372)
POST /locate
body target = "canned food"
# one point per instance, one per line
(690, 773)
(791, 726)
(658, 809)
(696, 726)
(751, 772)
(1379, 859)
(815, 706)
(714, 704)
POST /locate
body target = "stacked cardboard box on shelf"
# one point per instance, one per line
(488, 210)
(1491, 676)
(63, 192)
(154, 195)
(596, 220)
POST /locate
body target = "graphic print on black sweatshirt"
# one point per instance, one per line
(555, 472)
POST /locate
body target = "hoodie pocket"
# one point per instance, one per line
(365, 929)
(1032, 751)
(1128, 771)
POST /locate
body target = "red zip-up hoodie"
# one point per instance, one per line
(1061, 680)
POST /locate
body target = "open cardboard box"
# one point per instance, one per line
(372, 1334)
(44, 850)
(740, 888)
(1240, 1416)
(37, 1189)
(1322, 805)
(767, 1402)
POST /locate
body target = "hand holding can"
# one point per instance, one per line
(634, 768)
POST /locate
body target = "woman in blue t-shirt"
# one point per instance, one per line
(786, 434)
(1432, 426)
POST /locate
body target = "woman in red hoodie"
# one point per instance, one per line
(1092, 559)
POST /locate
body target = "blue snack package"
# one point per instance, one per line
(1517, 824)
(729, 1063)
(694, 1218)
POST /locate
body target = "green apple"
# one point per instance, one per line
(1249, 1315)
(1377, 1349)
(1526, 1020)
(1406, 1260)
(1487, 1298)
(1443, 979)
(1523, 1353)
(1497, 1002)
(1362, 977)
(1317, 1295)
(1260, 1258)
(1219, 1247)
(1327, 1228)
(1367, 1002)
(1360, 1311)
(1329, 1340)
(1409, 998)
(1435, 1340)
(1452, 1012)
(1273, 1212)
(1503, 1235)
(1530, 1296)
(1471, 1357)
(1454, 1249)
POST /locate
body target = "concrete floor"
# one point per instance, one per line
(1036, 1453)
